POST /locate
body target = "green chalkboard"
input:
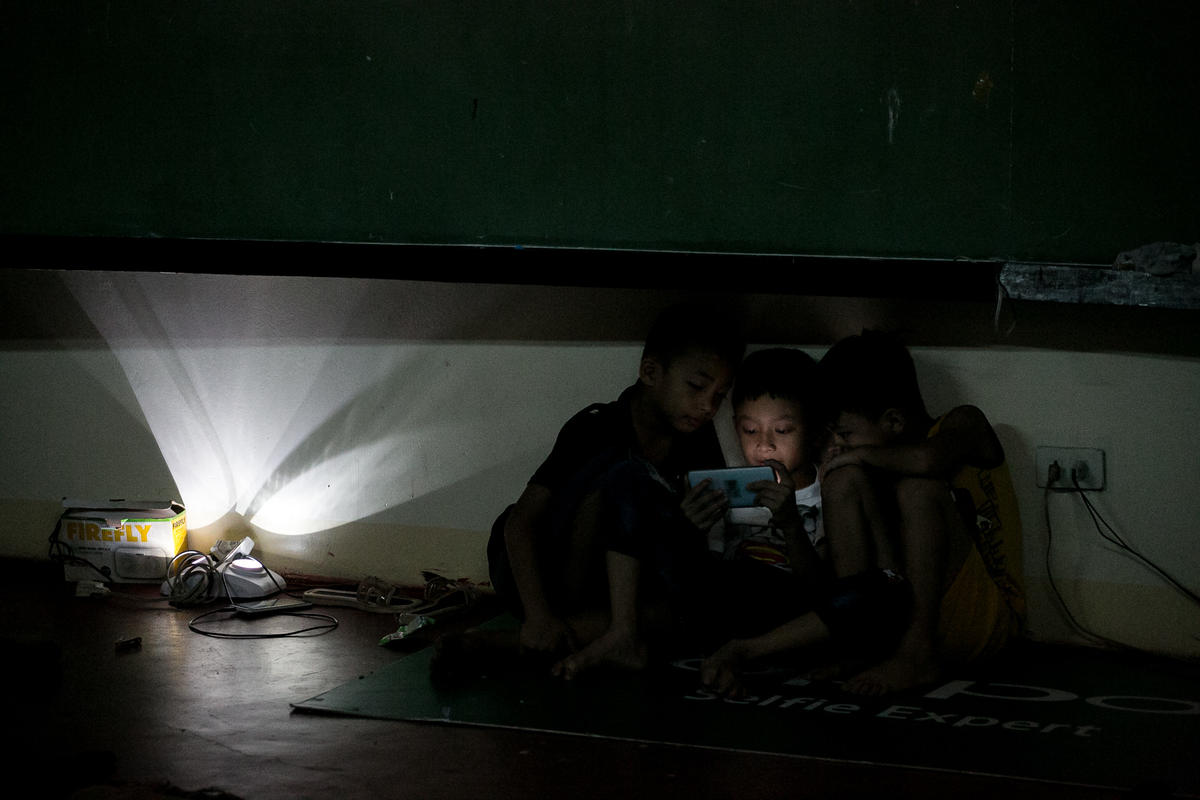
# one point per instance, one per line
(885, 128)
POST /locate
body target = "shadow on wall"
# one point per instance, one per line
(299, 437)
(73, 422)
(72, 430)
(395, 544)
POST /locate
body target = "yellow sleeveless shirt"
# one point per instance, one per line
(985, 604)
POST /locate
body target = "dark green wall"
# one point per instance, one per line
(1061, 131)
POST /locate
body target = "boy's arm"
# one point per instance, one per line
(965, 437)
(802, 555)
(541, 629)
(780, 498)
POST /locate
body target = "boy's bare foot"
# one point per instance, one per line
(612, 649)
(894, 674)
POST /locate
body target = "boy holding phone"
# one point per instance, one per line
(776, 421)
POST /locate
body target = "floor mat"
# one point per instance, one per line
(1070, 715)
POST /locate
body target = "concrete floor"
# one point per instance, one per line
(185, 715)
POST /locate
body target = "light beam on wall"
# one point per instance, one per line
(299, 434)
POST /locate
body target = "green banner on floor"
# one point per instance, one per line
(1065, 715)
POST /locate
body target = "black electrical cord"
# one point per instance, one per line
(191, 576)
(1062, 602)
(329, 623)
(1114, 538)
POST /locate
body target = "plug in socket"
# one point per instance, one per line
(1087, 464)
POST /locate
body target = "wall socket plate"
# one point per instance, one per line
(1088, 463)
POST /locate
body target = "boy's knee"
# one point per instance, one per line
(845, 483)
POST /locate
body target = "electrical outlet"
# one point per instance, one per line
(1087, 463)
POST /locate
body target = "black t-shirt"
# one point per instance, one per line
(588, 447)
(602, 435)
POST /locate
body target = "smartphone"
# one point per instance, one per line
(732, 481)
(280, 604)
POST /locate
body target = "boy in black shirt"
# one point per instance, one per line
(596, 548)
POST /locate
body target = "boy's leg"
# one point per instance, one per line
(934, 545)
(616, 641)
(577, 592)
(654, 560)
(584, 592)
(635, 521)
(863, 603)
(584, 576)
(856, 522)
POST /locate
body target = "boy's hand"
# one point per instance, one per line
(704, 506)
(719, 672)
(842, 457)
(779, 496)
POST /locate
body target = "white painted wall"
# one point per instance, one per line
(304, 412)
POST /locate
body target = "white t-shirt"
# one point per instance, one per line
(748, 532)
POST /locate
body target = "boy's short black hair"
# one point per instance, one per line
(867, 374)
(690, 327)
(781, 372)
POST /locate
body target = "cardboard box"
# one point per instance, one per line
(120, 541)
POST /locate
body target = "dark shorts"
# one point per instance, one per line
(638, 516)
